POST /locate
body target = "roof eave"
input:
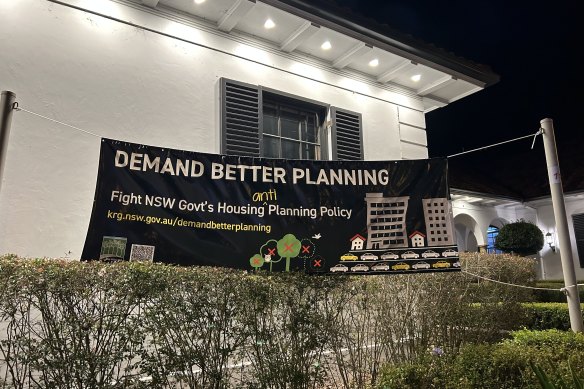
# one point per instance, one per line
(391, 41)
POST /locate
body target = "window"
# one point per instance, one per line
(492, 233)
(260, 122)
(290, 132)
(578, 221)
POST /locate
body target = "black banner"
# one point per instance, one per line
(189, 208)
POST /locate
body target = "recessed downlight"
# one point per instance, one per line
(199, 1)
(374, 62)
(269, 24)
(326, 45)
(416, 77)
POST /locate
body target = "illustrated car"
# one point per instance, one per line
(456, 264)
(440, 264)
(386, 256)
(401, 266)
(410, 255)
(369, 257)
(380, 267)
(360, 267)
(430, 254)
(338, 268)
(450, 253)
(421, 265)
(349, 257)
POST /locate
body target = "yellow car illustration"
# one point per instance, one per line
(401, 266)
(440, 264)
(349, 257)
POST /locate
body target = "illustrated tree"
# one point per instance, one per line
(256, 261)
(520, 237)
(288, 247)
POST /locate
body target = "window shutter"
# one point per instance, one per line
(240, 118)
(347, 136)
(578, 221)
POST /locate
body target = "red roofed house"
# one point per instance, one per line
(357, 242)
(417, 239)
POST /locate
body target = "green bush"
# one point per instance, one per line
(520, 237)
(80, 325)
(543, 316)
(553, 296)
(506, 364)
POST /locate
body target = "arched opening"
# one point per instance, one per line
(466, 228)
(492, 232)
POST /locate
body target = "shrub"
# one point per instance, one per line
(553, 296)
(543, 316)
(506, 364)
(78, 325)
(520, 237)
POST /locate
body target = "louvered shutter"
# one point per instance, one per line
(240, 118)
(578, 221)
(347, 136)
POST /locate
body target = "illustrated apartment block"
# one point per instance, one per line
(439, 222)
(386, 221)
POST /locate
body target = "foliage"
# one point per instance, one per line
(547, 383)
(507, 364)
(543, 316)
(520, 237)
(80, 325)
(553, 296)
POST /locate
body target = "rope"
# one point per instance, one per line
(518, 286)
(17, 108)
(540, 131)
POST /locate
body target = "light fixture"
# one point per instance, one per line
(199, 1)
(326, 45)
(269, 24)
(416, 77)
(549, 238)
(374, 62)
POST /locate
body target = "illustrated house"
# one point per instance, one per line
(357, 242)
(417, 239)
(312, 82)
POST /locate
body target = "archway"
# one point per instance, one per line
(467, 238)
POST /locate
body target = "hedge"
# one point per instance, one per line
(79, 325)
(505, 365)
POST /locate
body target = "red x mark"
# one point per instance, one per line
(306, 249)
(256, 261)
(271, 251)
(288, 247)
(316, 263)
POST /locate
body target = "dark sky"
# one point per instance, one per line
(532, 45)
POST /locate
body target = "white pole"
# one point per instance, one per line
(553, 167)
(6, 107)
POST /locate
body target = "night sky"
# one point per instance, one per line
(533, 46)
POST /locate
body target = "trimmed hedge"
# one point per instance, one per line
(505, 365)
(543, 316)
(81, 325)
(553, 296)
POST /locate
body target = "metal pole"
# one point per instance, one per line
(6, 108)
(553, 167)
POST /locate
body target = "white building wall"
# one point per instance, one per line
(551, 262)
(123, 82)
(539, 212)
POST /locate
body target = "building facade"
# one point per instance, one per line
(475, 213)
(386, 221)
(263, 78)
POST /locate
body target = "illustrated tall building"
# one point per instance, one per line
(386, 221)
(439, 222)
